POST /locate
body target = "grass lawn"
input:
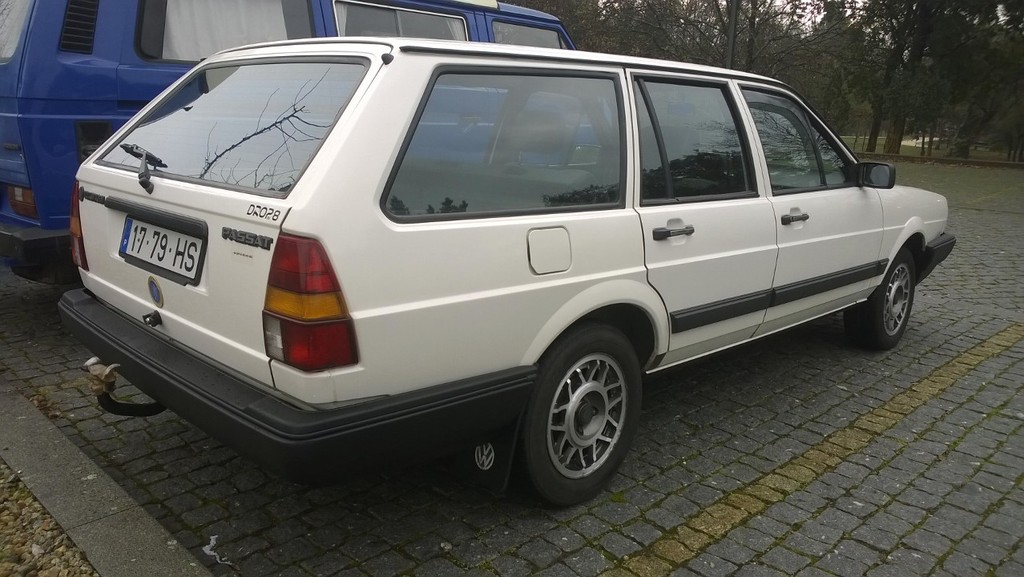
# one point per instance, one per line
(915, 150)
(967, 186)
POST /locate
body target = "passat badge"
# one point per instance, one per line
(155, 292)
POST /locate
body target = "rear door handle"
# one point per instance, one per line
(791, 218)
(661, 233)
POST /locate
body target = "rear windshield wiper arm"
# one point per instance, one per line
(146, 158)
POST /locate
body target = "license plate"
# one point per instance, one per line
(162, 248)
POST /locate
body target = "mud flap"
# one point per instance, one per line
(491, 460)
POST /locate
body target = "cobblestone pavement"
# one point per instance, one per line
(794, 455)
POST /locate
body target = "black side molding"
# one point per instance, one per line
(687, 319)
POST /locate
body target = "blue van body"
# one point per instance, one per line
(71, 73)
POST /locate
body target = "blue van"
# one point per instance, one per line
(72, 72)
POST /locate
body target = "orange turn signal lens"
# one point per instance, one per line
(306, 307)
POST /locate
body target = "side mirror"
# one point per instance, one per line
(876, 174)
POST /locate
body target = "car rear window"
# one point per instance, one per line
(251, 127)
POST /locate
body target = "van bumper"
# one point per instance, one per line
(31, 244)
(299, 444)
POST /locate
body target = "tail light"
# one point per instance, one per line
(305, 319)
(22, 201)
(77, 241)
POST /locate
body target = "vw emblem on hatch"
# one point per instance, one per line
(155, 292)
(484, 456)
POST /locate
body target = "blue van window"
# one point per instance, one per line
(12, 20)
(495, 143)
(508, 33)
(195, 29)
(356, 19)
(228, 125)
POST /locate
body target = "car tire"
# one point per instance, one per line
(583, 415)
(879, 322)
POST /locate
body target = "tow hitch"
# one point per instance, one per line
(102, 382)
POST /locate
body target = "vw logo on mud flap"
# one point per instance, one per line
(484, 456)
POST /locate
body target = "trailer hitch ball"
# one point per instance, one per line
(103, 380)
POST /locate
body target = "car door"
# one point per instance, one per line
(709, 237)
(829, 229)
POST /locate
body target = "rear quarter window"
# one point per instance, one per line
(491, 144)
(228, 125)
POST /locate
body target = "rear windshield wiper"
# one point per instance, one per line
(146, 158)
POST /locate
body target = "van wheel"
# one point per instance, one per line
(879, 322)
(583, 415)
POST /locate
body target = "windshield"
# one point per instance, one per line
(253, 126)
(12, 20)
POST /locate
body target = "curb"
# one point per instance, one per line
(118, 537)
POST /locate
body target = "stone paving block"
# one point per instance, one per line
(617, 513)
(841, 565)
(756, 570)
(618, 545)
(804, 545)
(732, 551)
(837, 519)
(785, 560)
(959, 563)
(388, 564)
(641, 532)
(586, 525)
(445, 568)
(911, 561)
(1011, 569)
(711, 566)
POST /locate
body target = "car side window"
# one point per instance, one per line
(798, 155)
(509, 33)
(191, 30)
(690, 146)
(501, 143)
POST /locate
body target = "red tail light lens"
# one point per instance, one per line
(305, 320)
(77, 240)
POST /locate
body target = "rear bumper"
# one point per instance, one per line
(935, 252)
(33, 245)
(296, 443)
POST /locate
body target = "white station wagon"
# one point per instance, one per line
(339, 253)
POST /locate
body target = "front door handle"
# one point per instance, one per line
(791, 218)
(661, 233)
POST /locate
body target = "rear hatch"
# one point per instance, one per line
(181, 211)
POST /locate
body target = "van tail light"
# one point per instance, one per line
(305, 319)
(22, 201)
(77, 241)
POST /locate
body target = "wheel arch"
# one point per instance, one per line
(636, 313)
(915, 244)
